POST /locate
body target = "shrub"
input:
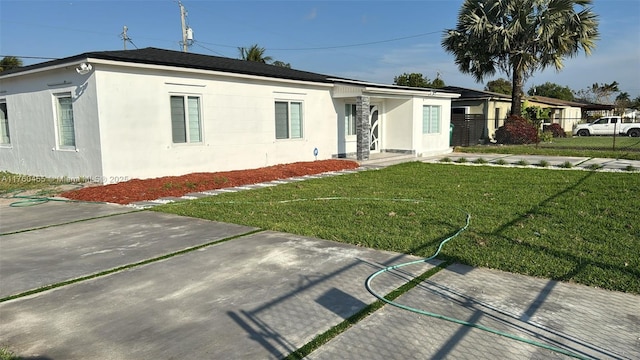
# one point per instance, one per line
(517, 130)
(546, 137)
(556, 130)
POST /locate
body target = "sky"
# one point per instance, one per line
(372, 41)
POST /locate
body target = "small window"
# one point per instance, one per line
(64, 119)
(497, 119)
(431, 119)
(186, 124)
(350, 119)
(5, 139)
(288, 115)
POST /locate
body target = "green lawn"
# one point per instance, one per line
(592, 146)
(573, 226)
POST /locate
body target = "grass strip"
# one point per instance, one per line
(125, 267)
(325, 337)
(70, 222)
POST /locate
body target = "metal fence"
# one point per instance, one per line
(468, 129)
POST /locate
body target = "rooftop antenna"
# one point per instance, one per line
(187, 32)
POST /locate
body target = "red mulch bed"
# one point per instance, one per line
(150, 189)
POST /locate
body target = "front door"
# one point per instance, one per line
(374, 121)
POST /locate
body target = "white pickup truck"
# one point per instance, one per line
(607, 126)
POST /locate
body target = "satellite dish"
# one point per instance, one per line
(83, 68)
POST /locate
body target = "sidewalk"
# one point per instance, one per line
(532, 161)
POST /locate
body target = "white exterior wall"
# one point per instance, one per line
(570, 117)
(31, 108)
(398, 125)
(238, 123)
(432, 144)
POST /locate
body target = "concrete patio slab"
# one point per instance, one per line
(592, 323)
(255, 297)
(53, 213)
(54, 254)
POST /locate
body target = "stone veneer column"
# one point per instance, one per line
(363, 128)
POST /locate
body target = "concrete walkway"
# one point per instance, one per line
(119, 283)
(531, 161)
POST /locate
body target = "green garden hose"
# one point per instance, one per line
(31, 200)
(453, 320)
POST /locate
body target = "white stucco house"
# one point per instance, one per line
(116, 115)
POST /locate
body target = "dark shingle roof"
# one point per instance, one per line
(466, 94)
(157, 56)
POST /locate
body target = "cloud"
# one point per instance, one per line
(312, 15)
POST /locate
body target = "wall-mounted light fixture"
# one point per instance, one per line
(83, 68)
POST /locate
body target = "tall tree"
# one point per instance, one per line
(281, 64)
(598, 93)
(500, 86)
(254, 53)
(519, 37)
(418, 80)
(10, 62)
(552, 90)
(437, 83)
(623, 102)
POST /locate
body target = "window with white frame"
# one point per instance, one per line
(431, 119)
(350, 119)
(64, 120)
(186, 123)
(5, 139)
(289, 121)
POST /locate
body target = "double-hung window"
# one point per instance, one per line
(5, 139)
(288, 119)
(431, 119)
(64, 120)
(350, 119)
(186, 123)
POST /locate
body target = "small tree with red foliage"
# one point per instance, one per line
(517, 130)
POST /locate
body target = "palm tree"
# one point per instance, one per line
(10, 62)
(254, 53)
(519, 37)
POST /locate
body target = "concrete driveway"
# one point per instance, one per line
(96, 281)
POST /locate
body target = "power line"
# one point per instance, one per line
(338, 46)
(206, 48)
(31, 57)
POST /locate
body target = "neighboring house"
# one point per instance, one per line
(565, 113)
(592, 111)
(115, 115)
(478, 106)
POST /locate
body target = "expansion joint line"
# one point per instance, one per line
(70, 222)
(126, 267)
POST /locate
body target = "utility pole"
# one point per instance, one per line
(125, 38)
(183, 15)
